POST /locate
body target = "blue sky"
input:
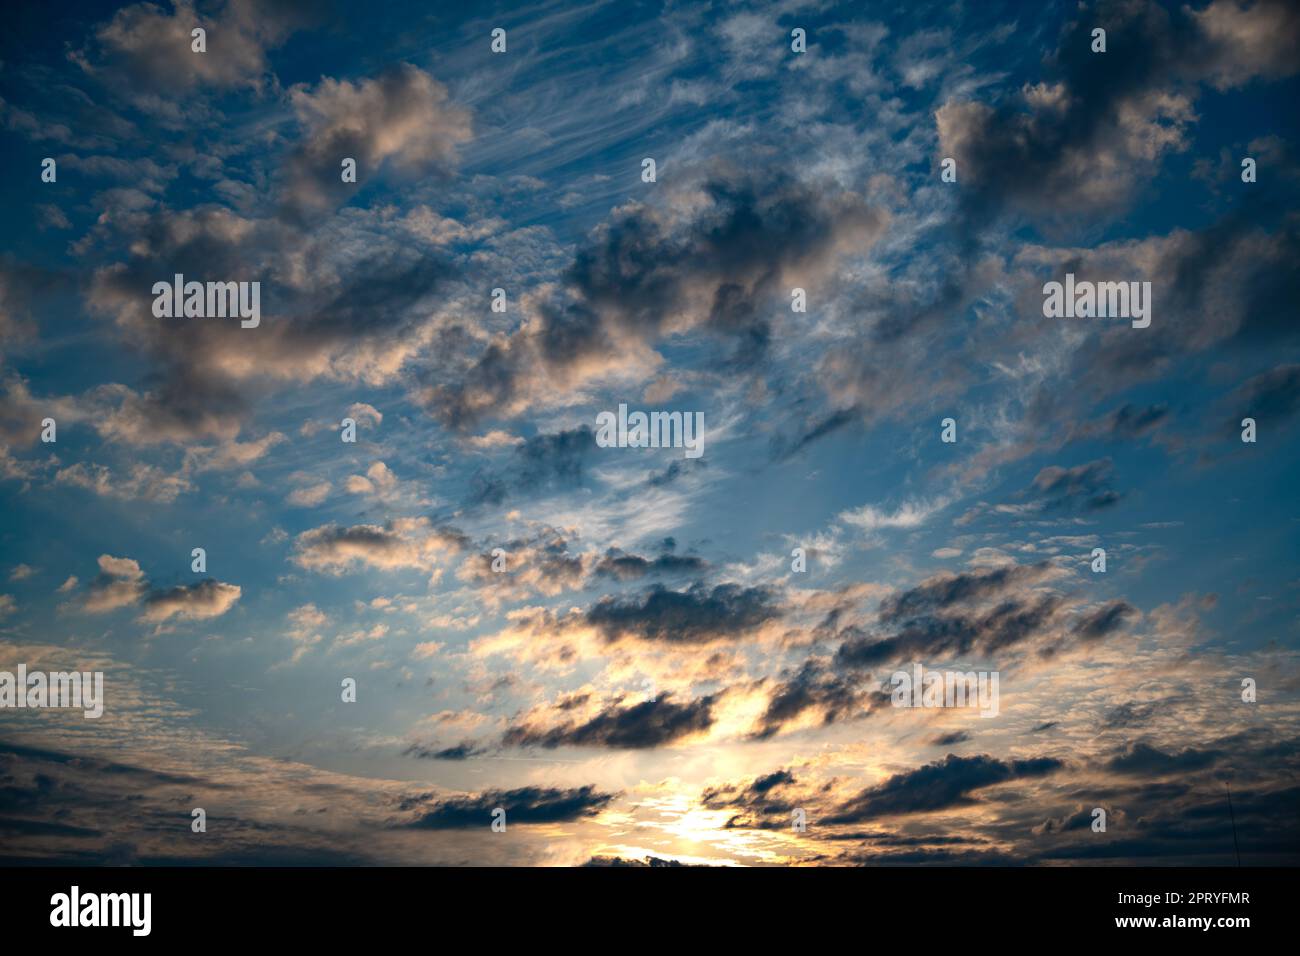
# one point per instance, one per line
(648, 676)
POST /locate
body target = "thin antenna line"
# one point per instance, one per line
(1233, 817)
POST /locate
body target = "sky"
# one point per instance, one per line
(641, 655)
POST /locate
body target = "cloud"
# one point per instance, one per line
(378, 480)
(146, 53)
(195, 602)
(945, 589)
(1242, 42)
(1011, 622)
(783, 447)
(543, 463)
(980, 611)
(768, 796)
(650, 723)
(1084, 487)
(121, 583)
(923, 301)
(22, 288)
(619, 564)
(402, 119)
(1079, 142)
(522, 805)
(1128, 714)
(461, 751)
(938, 786)
(912, 514)
(711, 261)
(360, 317)
(306, 623)
(400, 543)
(142, 481)
(814, 689)
(949, 739)
(1271, 397)
(361, 413)
(542, 563)
(675, 470)
(695, 616)
(310, 496)
(142, 419)
(1105, 620)
(1079, 489)
(1143, 758)
(618, 861)
(1126, 423)
(233, 454)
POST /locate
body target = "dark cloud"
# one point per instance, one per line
(355, 322)
(1083, 487)
(764, 803)
(548, 462)
(694, 616)
(938, 786)
(716, 268)
(620, 861)
(461, 751)
(932, 857)
(204, 599)
(814, 688)
(1077, 143)
(942, 591)
(758, 792)
(23, 288)
(400, 543)
(401, 119)
(23, 827)
(782, 448)
(616, 563)
(1260, 828)
(1128, 714)
(1104, 621)
(1143, 758)
(650, 723)
(1220, 288)
(1223, 286)
(1080, 819)
(1010, 622)
(1271, 397)
(144, 52)
(61, 808)
(982, 610)
(881, 838)
(554, 458)
(523, 805)
(674, 471)
(949, 739)
(1126, 423)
